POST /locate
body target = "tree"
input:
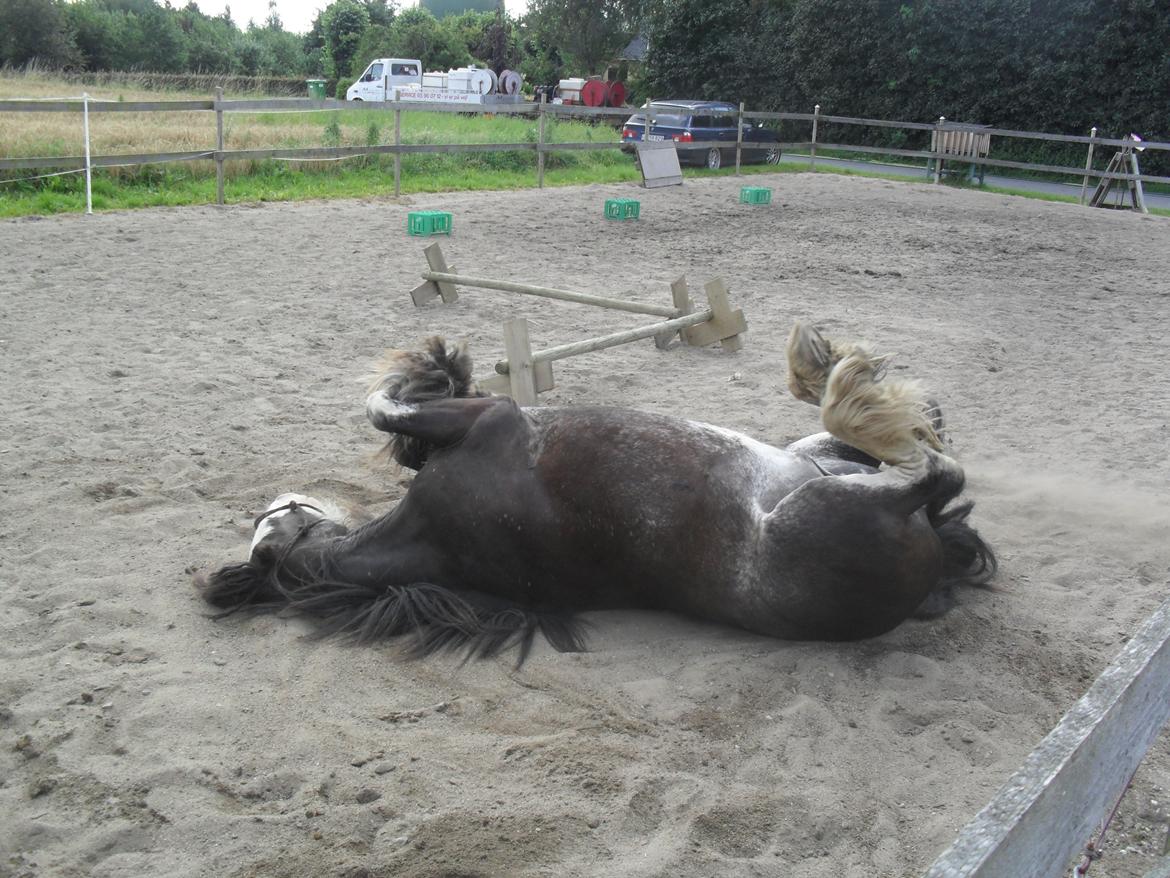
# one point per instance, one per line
(417, 34)
(342, 25)
(35, 30)
(583, 33)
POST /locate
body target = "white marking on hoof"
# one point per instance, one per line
(380, 404)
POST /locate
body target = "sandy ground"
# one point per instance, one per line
(167, 372)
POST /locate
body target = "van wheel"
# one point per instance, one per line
(714, 159)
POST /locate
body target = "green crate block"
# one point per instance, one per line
(622, 208)
(428, 222)
(755, 195)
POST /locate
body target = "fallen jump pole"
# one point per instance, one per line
(526, 373)
(439, 282)
(590, 345)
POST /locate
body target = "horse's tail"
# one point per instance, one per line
(424, 619)
(439, 371)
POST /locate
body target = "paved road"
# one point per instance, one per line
(1153, 199)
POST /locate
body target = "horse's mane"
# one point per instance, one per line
(424, 619)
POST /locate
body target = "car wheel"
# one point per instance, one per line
(772, 156)
(714, 159)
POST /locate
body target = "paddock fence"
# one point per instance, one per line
(944, 136)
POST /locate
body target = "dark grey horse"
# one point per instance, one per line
(520, 517)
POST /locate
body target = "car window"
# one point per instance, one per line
(670, 120)
(375, 72)
(701, 122)
(403, 70)
(724, 121)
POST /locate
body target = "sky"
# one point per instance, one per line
(297, 15)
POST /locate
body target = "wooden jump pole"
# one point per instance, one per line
(589, 345)
(1043, 816)
(439, 276)
(718, 323)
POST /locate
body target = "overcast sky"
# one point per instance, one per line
(297, 15)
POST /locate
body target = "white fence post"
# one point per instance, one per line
(812, 158)
(397, 143)
(937, 148)
(88, 165)
(1088, 162)
(540, 143)
(218, 146)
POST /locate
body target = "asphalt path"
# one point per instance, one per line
(1153, 199)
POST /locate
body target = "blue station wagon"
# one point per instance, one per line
(697, 122)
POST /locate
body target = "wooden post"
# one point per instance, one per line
(218, 146)
(521, 375)
(1136, 193)
(938, 144)
(812, 154)
(739, 138)
(1088, 162)
(397, 143)
(540, 143)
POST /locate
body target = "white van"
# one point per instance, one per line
(383, 76)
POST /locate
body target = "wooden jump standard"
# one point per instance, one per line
(1047, 811)
(524, 373)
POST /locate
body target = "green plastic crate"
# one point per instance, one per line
(428, 222)
(622, 208)
(755, 195)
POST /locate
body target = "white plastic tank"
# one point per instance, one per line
(459, 80)
(434, 80)
(570, 89)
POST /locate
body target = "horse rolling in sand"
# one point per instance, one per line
(519, 518)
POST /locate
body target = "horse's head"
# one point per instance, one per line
(291, 516)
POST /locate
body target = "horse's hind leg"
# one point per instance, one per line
(416, 430)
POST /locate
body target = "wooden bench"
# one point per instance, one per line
(962, 142)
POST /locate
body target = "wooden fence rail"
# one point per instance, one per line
(542, 147)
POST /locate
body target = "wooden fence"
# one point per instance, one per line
(541, 111)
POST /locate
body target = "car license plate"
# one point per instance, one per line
(656, 137)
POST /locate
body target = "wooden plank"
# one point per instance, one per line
(451, 277)
(34, 106)
(1043, 815)
(618, 338)
(521, 379)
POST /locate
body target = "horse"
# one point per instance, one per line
(519, 519)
